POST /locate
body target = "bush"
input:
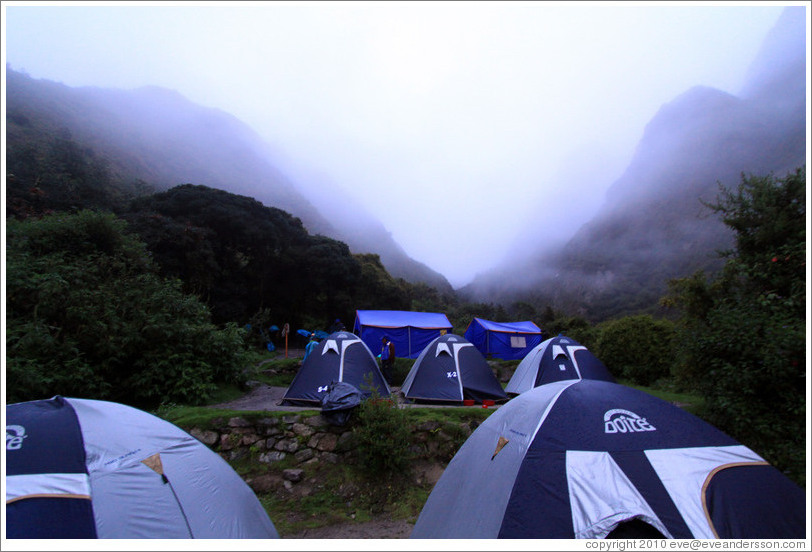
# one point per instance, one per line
(742, 332)
(383, 437)
(88, 316)
(637, 348)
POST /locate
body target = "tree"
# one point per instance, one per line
(742, 332)
(88, 316)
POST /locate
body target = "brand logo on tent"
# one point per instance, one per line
(14, 437)
(322, 388)
(624, 421)
(451, 374)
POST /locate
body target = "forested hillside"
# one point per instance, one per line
(72, 142)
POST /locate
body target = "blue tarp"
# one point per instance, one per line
(411, 332)
(505, 340)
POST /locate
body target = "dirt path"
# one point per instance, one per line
(262, 397)
(376, 529)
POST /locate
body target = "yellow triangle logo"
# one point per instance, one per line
(154, 463)
(499, 446)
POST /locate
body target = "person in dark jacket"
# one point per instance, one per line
(387, 358)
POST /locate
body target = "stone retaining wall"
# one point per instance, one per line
(310, 438)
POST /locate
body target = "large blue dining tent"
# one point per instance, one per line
(411, 332)
(505, 340)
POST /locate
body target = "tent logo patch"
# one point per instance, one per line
(451, 374)
(14, 437)
(624, 421)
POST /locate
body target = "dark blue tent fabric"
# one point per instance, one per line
(411, 332)
(646, 423)
(734, 500)
(38, 429)
(527, 517)
(579, 458)
(340, 357)
(505, 340)
(450, 368)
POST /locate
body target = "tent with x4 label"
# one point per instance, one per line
(340, 357)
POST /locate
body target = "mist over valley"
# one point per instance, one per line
(607, 234)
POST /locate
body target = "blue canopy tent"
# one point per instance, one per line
(411, 332)
(505, 340)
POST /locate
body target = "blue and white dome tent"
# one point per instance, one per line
(78, 468)
(556, 359)
(451, 369)
(340, 357)
(582, 458)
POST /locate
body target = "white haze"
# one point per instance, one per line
(453, 123)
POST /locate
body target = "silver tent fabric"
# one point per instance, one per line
(470, 498)
(524, 377)
(200, 497)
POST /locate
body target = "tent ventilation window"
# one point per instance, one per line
(518, 341)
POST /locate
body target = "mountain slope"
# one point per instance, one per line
(157, 136)
(652, 225)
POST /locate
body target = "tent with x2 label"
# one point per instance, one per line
(450, 368)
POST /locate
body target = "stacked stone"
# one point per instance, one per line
(306, 439)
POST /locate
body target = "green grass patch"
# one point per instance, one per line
(339, 493)
(687, 401)
(208, 418)
(459, 415)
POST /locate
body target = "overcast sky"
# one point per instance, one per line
(447, 120)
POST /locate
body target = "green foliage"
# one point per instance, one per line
(383, 438)
(742, 333)
(400, 369)
(638, 348)
(87, 316)
(258, 264)
(575, 327)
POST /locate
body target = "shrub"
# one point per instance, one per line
(637, 348)
(383, 437)
(88, 316)
(743, 331)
